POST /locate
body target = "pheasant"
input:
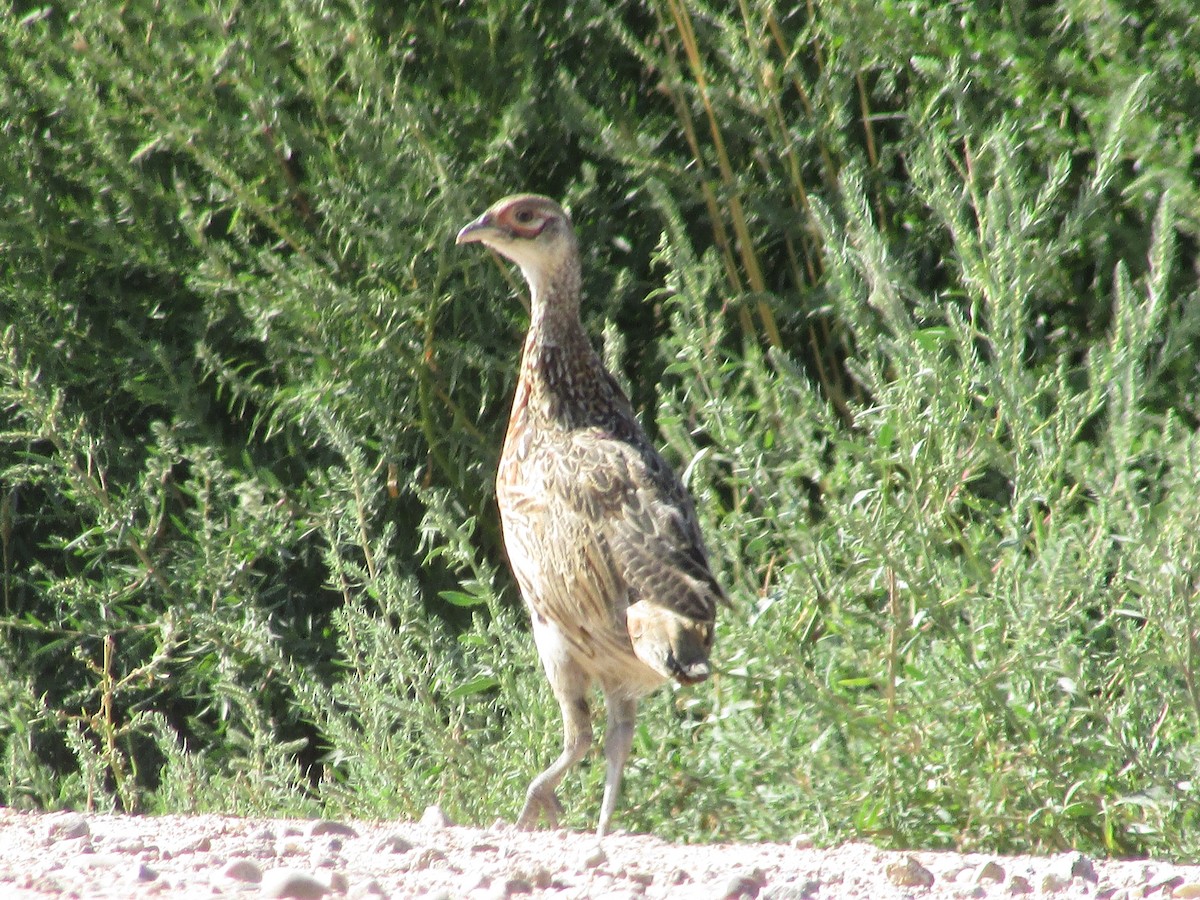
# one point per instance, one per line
(601, 534)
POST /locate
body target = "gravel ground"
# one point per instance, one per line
(106, 856)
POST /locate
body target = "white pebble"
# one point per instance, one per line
(435, 817)
(242, 870)
(990, 871)
(293, 884)
(328, 826)
(909, 873)
(67, 827)
(393, 843)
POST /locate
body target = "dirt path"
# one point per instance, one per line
(105, 856)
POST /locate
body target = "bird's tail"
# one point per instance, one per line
(674, 645)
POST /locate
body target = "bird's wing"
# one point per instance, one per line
(562, 563)
(646, 522)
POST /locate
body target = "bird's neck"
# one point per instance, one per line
(558, 357)
(554, 304)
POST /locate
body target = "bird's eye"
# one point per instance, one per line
(524, 216)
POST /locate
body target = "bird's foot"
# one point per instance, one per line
(537, 803)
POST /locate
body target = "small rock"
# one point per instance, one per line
(595, 857)
(89, 859)
(339, 882)
(1082, 867)
(963, 875)
(1020, 885)
(481, 882)
(511, 886)
(259, 850)
(539, 877)
(909, 873)
(743, 887)
(645, 879)
(990, 871)
(1053, 882)
(67, 827)
(144, 873)
(393, 843)
(1188, 890)
(293, 884)
(371, 888)
(328, 826)
(601, 884)
(803, 842)
(242, 870)
(423, 859)
(199, 845)
(804, 891)
(1167, 886)
(48, 884)
(289, 847)
(435, 817)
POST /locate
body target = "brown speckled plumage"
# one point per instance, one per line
(600, 532)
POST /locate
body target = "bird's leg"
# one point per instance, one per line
(577, 738)
(619, 738)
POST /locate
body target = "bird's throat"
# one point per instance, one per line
(554, 302)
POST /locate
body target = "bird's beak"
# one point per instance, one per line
(475, 231)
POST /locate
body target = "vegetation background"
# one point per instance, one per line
(907, 290)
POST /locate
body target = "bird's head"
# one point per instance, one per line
(531, 230)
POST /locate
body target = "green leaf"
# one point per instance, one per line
(458, 598)
(474, 686)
